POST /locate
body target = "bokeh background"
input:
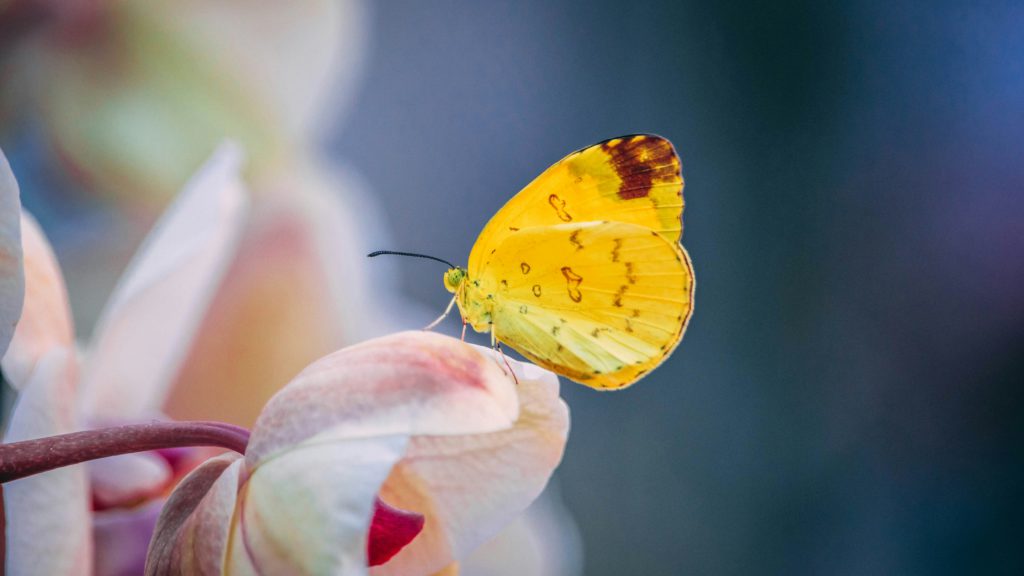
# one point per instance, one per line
(847, 399)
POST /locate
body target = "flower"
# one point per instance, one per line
(430, 424)
(100, 515)
(134, 95)
(145, 330)
(220, 306)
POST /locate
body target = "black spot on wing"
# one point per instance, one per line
(559, 207)
(630, 274)
(617, 302)
(574, 239)
(572, 281)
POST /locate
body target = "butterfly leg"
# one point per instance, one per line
(463, 329)
(497, 346)
(445, 315)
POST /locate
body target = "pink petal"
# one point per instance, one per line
(407, 383)
(273, 315)
(470, 487)
(156, 308)
(47, 515)
(299, 288)
(46, 318)
(12, 277)
(193, 531)
(390, 530)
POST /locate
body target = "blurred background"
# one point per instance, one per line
(848, 395)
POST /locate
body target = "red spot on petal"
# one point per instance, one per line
(391, 530)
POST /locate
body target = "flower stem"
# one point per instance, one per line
(21, 459)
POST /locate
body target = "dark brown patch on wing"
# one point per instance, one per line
(642, 161)
(524, 267)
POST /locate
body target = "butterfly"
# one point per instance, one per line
(582, 271)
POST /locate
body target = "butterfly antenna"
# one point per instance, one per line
(413, 254)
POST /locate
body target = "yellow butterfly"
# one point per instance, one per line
(582, 271)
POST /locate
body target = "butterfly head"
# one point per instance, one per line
(454, 278)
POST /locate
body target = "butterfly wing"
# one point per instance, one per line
(601, 303)
(634, 179)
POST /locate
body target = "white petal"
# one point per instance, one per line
(46, 318)
(150, 320)
(48, 516)
(308, 510)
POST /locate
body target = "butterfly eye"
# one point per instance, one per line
(453, 277)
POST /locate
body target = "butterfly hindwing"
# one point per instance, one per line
(599, 302)
(635, 179)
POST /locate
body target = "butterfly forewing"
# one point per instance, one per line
(599, 302)
(635, 179)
